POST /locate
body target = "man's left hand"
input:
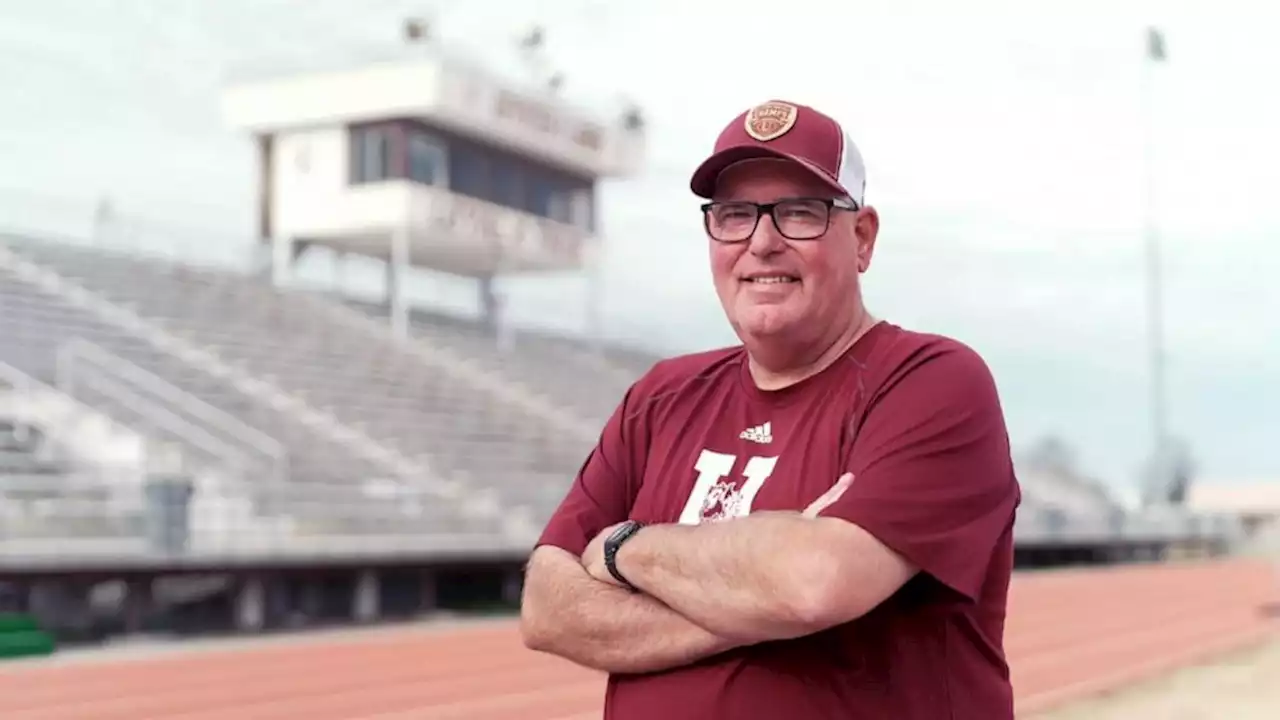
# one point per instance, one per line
(593, 556)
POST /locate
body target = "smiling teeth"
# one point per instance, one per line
(771, 280)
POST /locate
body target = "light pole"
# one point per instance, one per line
(1158, 401)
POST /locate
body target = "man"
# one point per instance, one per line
(814, 525)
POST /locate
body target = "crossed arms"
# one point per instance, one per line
(706, 589)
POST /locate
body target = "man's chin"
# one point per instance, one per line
(764, 322)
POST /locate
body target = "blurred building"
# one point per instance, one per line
(1255, 501)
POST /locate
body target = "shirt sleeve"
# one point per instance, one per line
(933, 476)
(606, 485)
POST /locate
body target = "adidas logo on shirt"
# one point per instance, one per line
(762, 434)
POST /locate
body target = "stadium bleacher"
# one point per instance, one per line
(365, 426)
(278, 363)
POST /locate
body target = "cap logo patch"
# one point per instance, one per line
(770, 121)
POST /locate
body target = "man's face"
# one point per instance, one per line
(773, 287)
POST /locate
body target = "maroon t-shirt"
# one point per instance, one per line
(917, 419)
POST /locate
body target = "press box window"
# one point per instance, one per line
(370, 155)
(427, 161)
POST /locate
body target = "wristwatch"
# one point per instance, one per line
(625, 532)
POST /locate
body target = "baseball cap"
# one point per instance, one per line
(789, 131)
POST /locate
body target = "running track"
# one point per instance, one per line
(1069, 634)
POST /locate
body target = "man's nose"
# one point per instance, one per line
(766, 240)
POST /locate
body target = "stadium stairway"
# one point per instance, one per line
(490, 446)
(42, 309)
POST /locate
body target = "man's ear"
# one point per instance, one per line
(866, 229)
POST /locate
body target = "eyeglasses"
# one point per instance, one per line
(795, 218)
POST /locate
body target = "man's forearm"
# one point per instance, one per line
(749, 578)
(568, 613)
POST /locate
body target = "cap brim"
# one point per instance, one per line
(706, 176)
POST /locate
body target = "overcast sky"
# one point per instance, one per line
(1003, 148)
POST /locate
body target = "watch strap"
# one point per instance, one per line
(624, 532)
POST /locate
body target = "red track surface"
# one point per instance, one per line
(1069, 634)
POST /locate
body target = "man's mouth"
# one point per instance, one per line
(770, 279)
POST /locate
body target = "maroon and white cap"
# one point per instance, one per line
(789, 131)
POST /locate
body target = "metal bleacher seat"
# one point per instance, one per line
(255, 329)
(562, 368)
(367, 381)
